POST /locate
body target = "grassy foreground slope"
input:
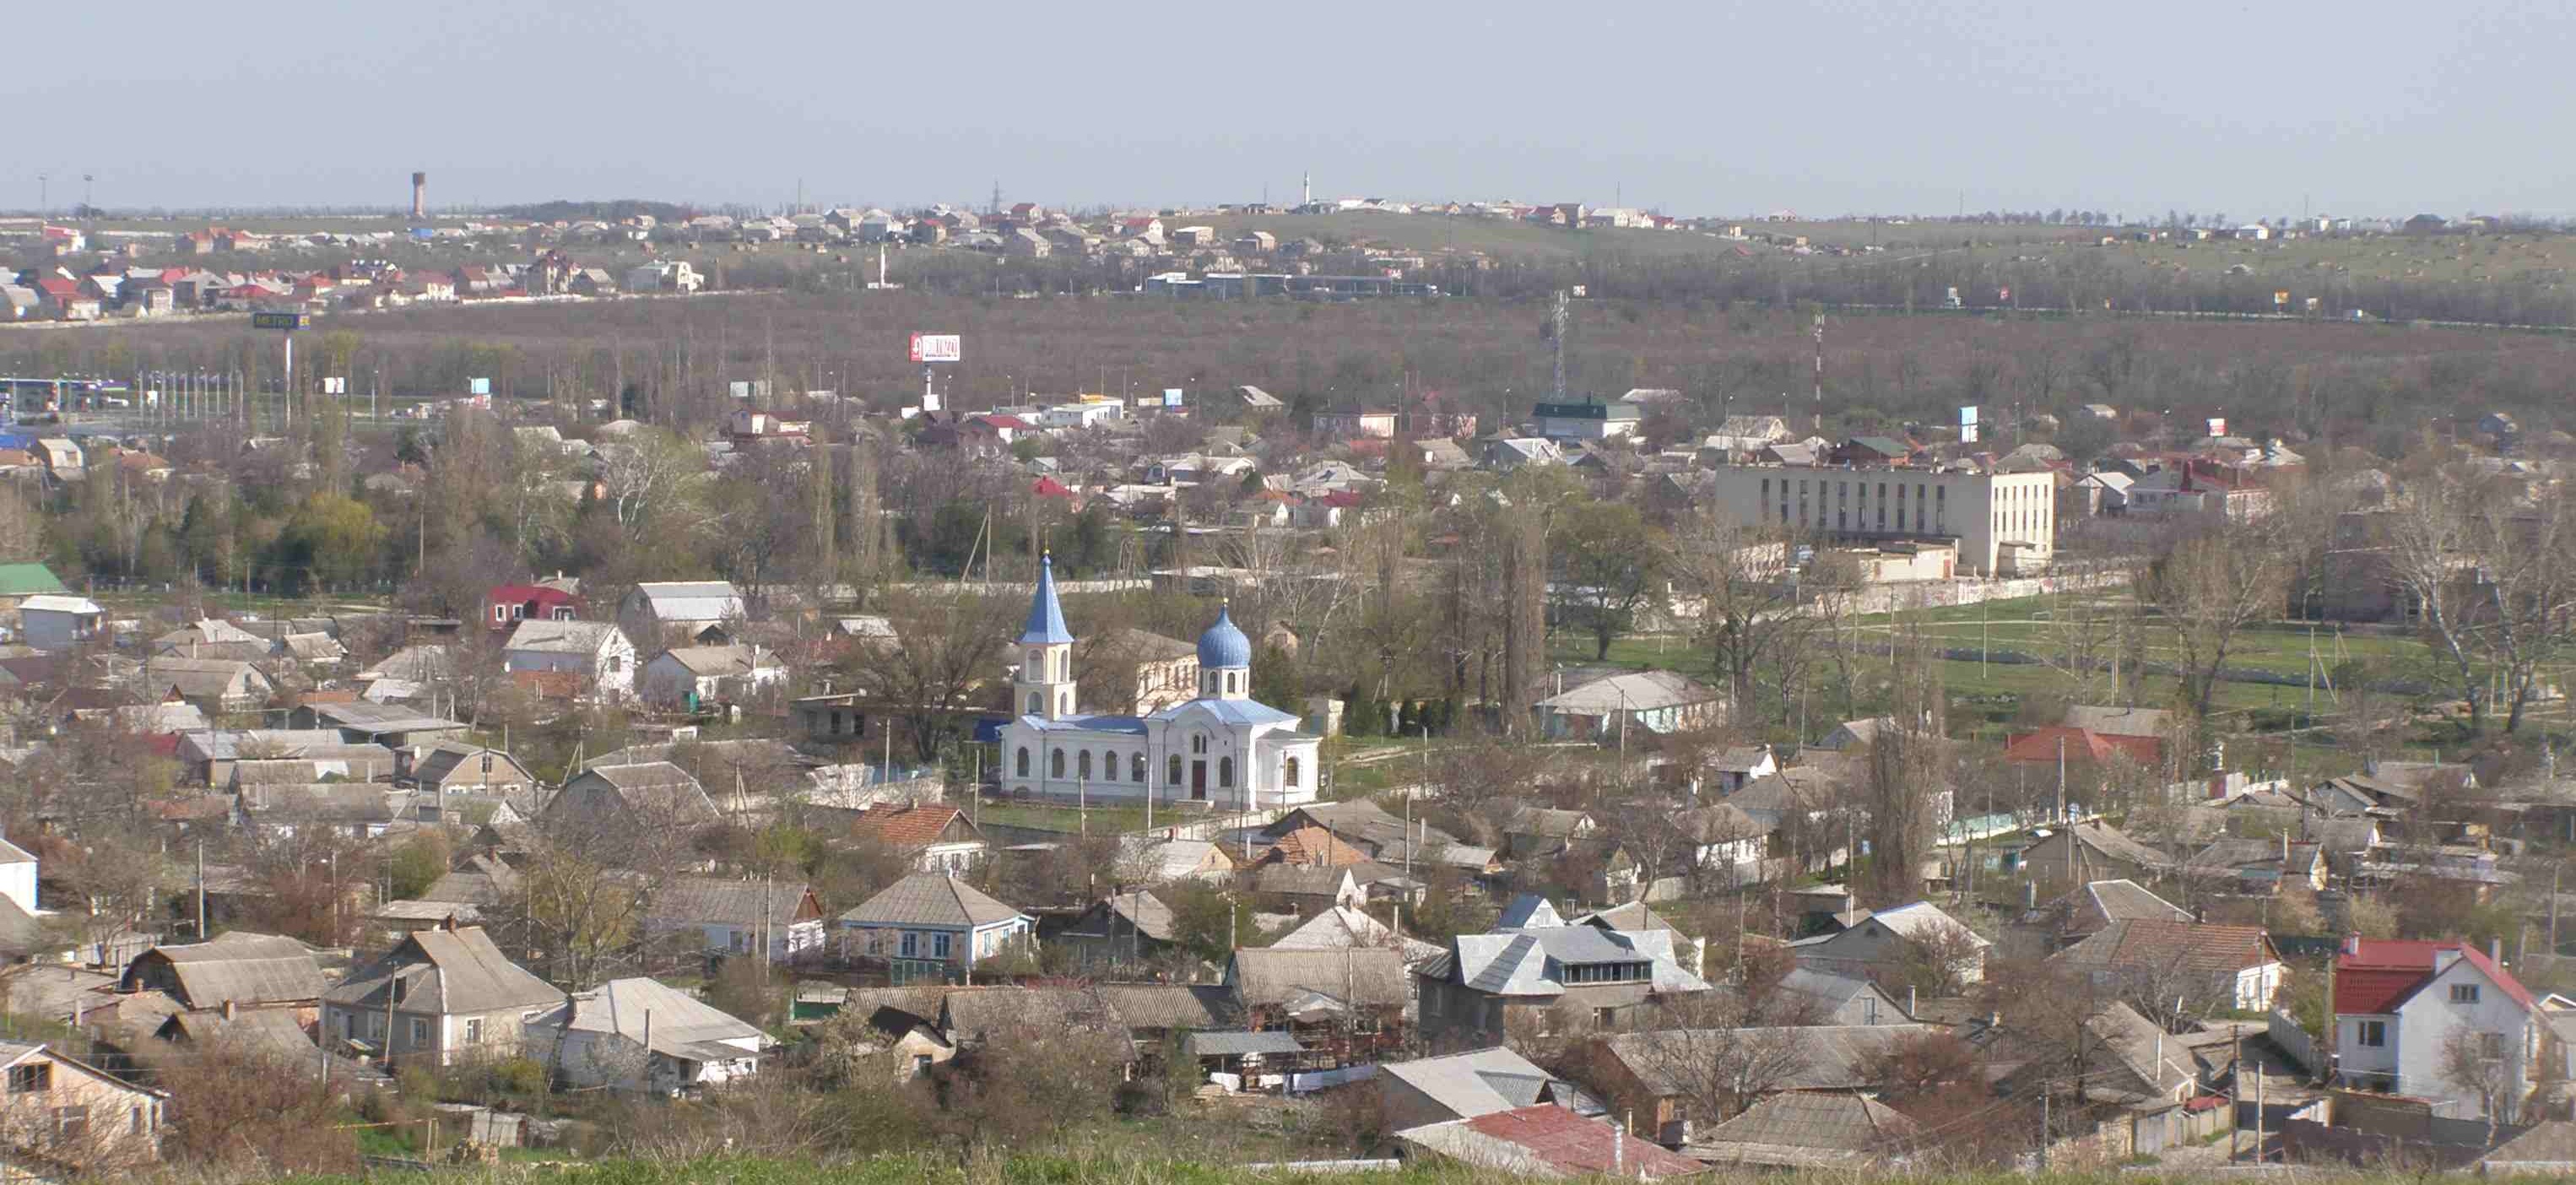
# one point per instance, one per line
(1049, 1170)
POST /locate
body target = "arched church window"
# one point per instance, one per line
(1198, 742)
(1172, 770)
(1024, 761)
(1288, 773)
(1082, 760)
(1136, 769)
(1055, 764)
(1036, 705)
(1225, 773)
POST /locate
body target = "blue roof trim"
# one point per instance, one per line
(1230, 711)
(1129, 725)
(1046, 616)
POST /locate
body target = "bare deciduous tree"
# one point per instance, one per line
(2210, 588)
(1744, 584)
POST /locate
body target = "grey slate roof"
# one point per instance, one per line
(691, 600)
(540, 636)
(702, 899)
(1360, 977)
(241, 968)
(1486, 1081)
(929, 899)
(1795, 1129)
(445, 972)
(1172, 1007)
(1238, 1044)
(680, 1025)
(1527, 962)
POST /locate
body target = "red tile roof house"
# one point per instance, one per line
(2398, 1004)
(2040, 747)
(938, 838)
(506, 605)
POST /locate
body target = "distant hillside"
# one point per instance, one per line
(609, 211)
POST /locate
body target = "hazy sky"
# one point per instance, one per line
(2361, 106)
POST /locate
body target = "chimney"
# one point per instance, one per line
(420, 195)
(2352, 944)
(2495, 951)
(228, 1010)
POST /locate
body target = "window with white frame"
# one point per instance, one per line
(2464, 993)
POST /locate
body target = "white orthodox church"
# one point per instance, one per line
(1221, 748)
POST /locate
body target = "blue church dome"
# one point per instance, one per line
(1223, 645)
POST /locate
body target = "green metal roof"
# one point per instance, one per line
(27, 580)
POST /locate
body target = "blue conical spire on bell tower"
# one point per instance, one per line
(1044, 686)
(1046, 616)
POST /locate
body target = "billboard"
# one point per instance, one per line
(1968, 433)
(286, 321)
(2217, 427)
(938, 347)
(1171, 396)
(478, 386)
(335, 386)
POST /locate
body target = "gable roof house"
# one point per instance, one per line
(1807, 1131)
(438, 997)
(1466, 1085)
(2087, 852)
(1346, 1007)
(2257, 867)
(2155, 958)
(62, 1111)
(1343, 926)
(688, 677)
(690, 610)
(1649, 1076)
(740, 917)
(938, 837)
(1886, 946)
(934, 917)
(1128, 928)
(2090, 909)
(238, 969)
(215, 685)
(1649, 703)
(639, 1035)
(597, 652)
(1816, 997)
(453, 772)
(650, 794)
(2398, 1005)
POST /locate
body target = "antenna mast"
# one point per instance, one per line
(1556, 337)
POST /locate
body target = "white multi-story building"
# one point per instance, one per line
(1221, 748)
(2005, 524)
